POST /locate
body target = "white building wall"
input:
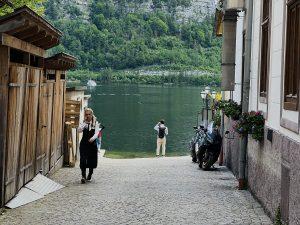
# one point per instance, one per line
(273, 108)
(276, 62)
(239, 58)
(253, 94)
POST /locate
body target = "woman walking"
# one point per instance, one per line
(88, 145)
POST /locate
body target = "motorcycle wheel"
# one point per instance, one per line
(201, 155)
(193, 153)
(208, 161)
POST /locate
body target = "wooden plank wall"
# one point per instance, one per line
(49, 109)
(4, 63)
(34, 135)
(41, 145)
(32, 122)
(60, 125)
(63, 107)
(17, 80)
(58, 121)
(23, 128)
(55, 118)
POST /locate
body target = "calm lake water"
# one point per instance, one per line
(130, 112)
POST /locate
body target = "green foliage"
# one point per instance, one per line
(217, 118)
(118, 39)
(108, 75)
(230, 108)
(35, 5)
(251, 123)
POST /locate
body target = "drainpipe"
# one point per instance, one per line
(245, 95)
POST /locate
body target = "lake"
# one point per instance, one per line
(129, 113)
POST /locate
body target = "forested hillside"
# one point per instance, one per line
(114, 34)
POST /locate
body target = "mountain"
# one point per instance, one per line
(183, 10)
(129, 34)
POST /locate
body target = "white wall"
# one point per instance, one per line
(272, 108)
(239, 58)
(276, 62)
(255, 52)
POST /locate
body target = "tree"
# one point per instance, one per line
(35, 5)
(119, 37)
(158, 26)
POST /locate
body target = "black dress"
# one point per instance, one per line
(88, 151)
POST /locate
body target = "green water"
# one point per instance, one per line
(130, 112)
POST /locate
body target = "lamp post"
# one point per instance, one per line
(206, 96)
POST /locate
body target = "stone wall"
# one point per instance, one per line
(231, 147)
(274, 175)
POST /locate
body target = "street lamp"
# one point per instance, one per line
(206, 96)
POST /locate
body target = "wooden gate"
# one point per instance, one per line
(57, 118)
(42, 128)
(48, 98)
(51, 119)
(17, 81)
(22, 127)
(29, 128)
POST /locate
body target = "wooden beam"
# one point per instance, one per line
(54, 42)
(12, 25)
(20, 28)
(46, 40)
(30, 31)
(36, 37)
(16, 43)
(4, 76)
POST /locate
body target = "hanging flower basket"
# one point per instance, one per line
(251, 123)
(230, 108)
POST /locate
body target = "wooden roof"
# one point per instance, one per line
(61, 61)
(5, 2)
(28, 26)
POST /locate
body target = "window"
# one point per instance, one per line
(265, 30)
(292, 66)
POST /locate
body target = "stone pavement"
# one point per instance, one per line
(143, 191)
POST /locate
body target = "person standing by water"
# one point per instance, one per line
(88, 146)
(162, 132)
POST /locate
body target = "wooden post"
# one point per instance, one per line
(4, 70)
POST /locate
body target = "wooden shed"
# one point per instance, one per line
(31, 99)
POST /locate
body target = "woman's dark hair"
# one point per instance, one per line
(162, 121)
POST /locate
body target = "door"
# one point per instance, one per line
(17, 80)
(42, 128)
(30, 126)
(49, 108)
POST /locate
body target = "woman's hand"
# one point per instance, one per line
(91, 140)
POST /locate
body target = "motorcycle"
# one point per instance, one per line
(196, 142)
(206, 146)
(210, 148)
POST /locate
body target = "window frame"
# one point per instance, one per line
(292, 65)
(265, 39)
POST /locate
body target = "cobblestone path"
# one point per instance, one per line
(143, 191)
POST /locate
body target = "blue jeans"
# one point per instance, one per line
(98, 141)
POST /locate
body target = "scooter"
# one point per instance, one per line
(209, 147)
